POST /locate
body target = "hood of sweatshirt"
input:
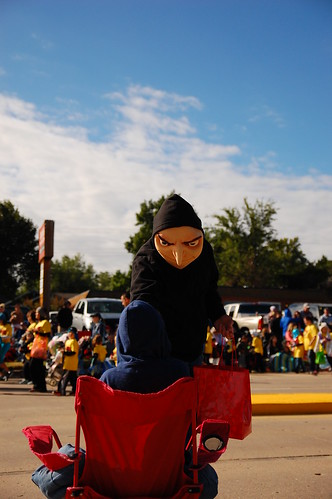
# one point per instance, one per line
(141, 334)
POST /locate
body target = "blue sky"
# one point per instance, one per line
(105, 104)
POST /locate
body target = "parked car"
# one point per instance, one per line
(317, 309)
(252, 315)
(109, 308)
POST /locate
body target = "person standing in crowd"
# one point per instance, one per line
(309, 341)
(98, 326)
(3, 310)
(326, 317)
(325, 342)
(5, 339)
(285, 320)
(175, 271)
(125, 299)
(275, 327)
(298, 350)
(16, 317)
(70, 364)
(65, 317)
(25, 349)
(305, 312)
(39, 350)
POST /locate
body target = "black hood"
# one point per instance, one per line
(175, 212)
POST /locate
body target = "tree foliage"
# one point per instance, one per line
(144, 219)
(72, 275)
(119, 281)
(248, 252)
(18, 251)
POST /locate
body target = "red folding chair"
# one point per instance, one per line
(135, 442)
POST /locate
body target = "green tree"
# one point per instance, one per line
(18, 251)
(119, 281)
(72, 275)
(144, 219)
(248, 252)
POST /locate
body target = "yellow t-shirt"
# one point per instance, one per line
(43, 326)
(257, 344)
(101, 351)
(208, 348)
(309, 336)
(70, 362)
(6, 332)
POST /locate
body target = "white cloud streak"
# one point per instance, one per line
(93, 190)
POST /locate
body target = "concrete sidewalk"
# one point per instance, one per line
(276, 460)
(291, 393)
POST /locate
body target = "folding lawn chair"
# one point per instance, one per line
(134, 442)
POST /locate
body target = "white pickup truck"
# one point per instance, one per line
(252, 315)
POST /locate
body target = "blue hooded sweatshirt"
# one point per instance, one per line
(144, 357)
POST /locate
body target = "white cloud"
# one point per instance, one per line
(93, 190)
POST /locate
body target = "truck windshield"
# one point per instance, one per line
(253, 309)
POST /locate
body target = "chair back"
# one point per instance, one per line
(134, 442)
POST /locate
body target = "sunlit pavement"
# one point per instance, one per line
(285, 456)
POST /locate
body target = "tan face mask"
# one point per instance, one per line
(179, 246)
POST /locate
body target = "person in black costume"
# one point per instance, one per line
(175, 271)
(65, 317)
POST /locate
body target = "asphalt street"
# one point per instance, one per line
(284, 456)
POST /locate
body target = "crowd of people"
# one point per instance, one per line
(287, 343)
(53, 355)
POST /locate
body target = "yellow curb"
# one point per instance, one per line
(291, 403)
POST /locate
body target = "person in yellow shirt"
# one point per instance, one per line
(298, 350)
(257, 349)
(5, 338)
(208, 347)
(42, 332)
(309, 340)
(99, 354)
(70, 363)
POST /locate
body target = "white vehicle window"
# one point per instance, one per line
(80, 308)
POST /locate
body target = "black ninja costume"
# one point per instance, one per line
(186, 298)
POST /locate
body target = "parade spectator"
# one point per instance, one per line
(275, 327)
(243, 346)
(70, 363)
(273, 352)
(5, 339)
(309, 341)
(16, 317)
(99, 354)
(125, 298)
(208, 347)
(25, 349)
(3, 310)
(326, 317)
(65, 317)
(289, 340)
(42, 331)
(98, 326)
(298, 350)
(324, 341)
(285, 320)
(257, 352)
(305, 312)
